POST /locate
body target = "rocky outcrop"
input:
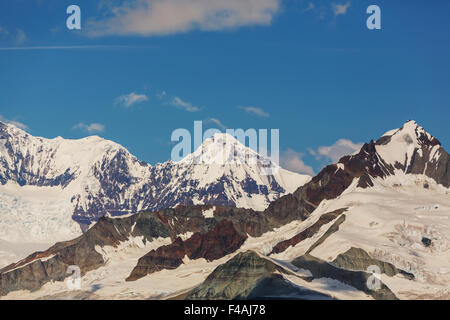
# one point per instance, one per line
(250, 276)
(334, 228)
(215, 236)
(308, 232)
(359, 260)
(355, 279)
(422, 153)
(215, 244)
(416, 152)
(39, 268)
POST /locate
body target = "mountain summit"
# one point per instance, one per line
(412, 150)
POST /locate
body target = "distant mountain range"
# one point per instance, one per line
(384, 209)
(47, 183)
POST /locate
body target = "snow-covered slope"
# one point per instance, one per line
(247, 179)
(386, 206)
(48, 184)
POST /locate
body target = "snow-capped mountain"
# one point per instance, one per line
(48, 183)
(384, 209)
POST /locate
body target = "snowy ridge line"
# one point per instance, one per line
(83, 180)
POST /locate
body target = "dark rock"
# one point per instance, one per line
(215, 244)
(250, 276)
(355, 279)
(308, 232)
(426, 242)
(359, 260)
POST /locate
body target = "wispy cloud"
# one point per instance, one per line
(340, 148)
(256, 111)
(128, 100)
(163, 17)
(340, 9)
(18, 124)
(18, 48)
(179, 103)
(217, 122)
(89, 128)
(293, 161)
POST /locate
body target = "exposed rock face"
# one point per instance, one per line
(409, 149)
(359, 260)
(334, 228)
(250, 276)
(356, 279)
(52, 264)
(214, 237)
(414, 151)
(308, 232)
(215, 244)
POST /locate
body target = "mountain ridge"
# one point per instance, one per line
(363, 196)
(96, 177)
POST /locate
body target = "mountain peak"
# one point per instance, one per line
(225, 149)
(410, 135)
(11, 127)
(409, 150)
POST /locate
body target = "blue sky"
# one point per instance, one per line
(309, 68)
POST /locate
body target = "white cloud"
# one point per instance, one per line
(257, 111)
(340, 9)
(18, 124)
(217, 122)
(89, 128)
(163, 17)
(340, 148)
(293, 161)
(60, 48)
(177, 102)
(128, 100)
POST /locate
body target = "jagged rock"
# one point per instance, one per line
(51, 265)
(215, 244)
(149, 225)
(250, 276)
(359, 260)
(334, 228)
(355, 279)
(308, 232)
(426, 242)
